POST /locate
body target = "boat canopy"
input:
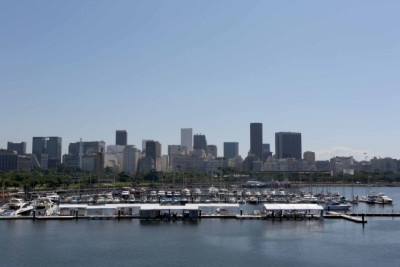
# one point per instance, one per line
(169, 207)
(280, 206)
(219, 205)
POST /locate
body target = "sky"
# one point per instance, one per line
(84, 69)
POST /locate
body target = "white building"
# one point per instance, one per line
(131, 156)
(187, 138)
(342, 165)
(114, 157)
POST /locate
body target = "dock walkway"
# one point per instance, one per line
(337, 215)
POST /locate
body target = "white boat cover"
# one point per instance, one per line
(279, 206)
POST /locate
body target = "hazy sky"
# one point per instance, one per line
(83, 69)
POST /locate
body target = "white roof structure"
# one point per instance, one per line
(103, 207)
(169, 207)
(123, 205)
(219, 205)
(73, 206)
(280, 206)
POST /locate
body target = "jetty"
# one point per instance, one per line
(196, 212)
(337, 215)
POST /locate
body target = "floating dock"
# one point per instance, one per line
(337, 215)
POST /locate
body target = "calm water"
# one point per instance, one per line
(210, 242)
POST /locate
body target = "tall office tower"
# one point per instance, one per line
(54, 146)
(266, 149)
(86, 148)
(256, 139)
(200, 142)
(121, 138)
(187, 138)
(212, 151)
(20, 148)
(309, 157)
(99, 165)
(131, 159)
(39, 147)
(288, 145)
(231, 150)
(153, 150)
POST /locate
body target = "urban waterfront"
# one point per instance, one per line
(211, 242)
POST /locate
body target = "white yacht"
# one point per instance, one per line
(334, 205)
(16, 207)
(197, 192)
(45, 206)
(383, 199)
(53, 196)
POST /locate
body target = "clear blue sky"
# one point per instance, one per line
(82, 69)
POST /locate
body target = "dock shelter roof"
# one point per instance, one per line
(279, 206)
(169, 207)
(219, 205)
(73, 206)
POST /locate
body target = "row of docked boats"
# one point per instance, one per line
(18, 207)
(47, 204)
(376, 198)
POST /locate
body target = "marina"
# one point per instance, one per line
(280, 204)
(274, 232)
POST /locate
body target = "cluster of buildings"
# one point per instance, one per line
(193, 152)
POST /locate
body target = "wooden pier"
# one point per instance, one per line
(337, 215)
(388, 214)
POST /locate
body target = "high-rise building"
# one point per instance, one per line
(256, 139)
(8, 160)
(54, 145)
(47, 151)
(200, 142)
(88, 148)
(121, 138)
(153, 150)
(231, 150)
(131, 159)
(39, 147)
(212, 151)
(20, 148)
(187, 138)
(309, 157)
(99, 165)
(266, 151)
(288, 145)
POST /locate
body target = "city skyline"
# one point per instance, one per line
(66, 148)
(82, 70)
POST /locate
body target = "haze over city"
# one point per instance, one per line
(87, 68)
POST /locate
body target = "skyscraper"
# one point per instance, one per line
(200, 142)
(47, 151)
(212, 151)
(39, 147)
(266, 148)
(131, 159)
(231, 150)
(121, 138)
(20, 148)
(54, 145)
(153, 150)
(187, 138)
(256, 139)
(288, 145)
